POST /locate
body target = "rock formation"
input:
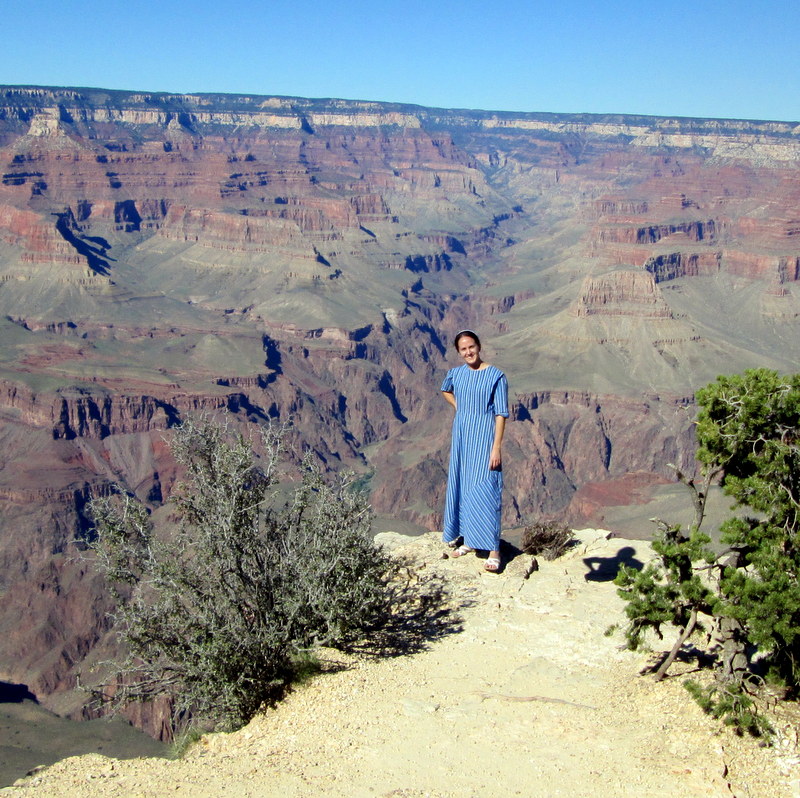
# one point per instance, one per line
(308, 261)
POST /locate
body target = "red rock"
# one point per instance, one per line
(144, 236)
(622, 293)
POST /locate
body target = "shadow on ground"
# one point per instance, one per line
(11, 693)
(423, 611)
(605, 569)
(32, 737)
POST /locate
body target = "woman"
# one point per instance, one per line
(479, 394)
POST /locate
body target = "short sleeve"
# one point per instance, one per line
(447, 385)
(500, 398)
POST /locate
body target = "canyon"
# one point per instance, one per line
(308, 261)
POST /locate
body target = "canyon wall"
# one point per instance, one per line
(308, 261)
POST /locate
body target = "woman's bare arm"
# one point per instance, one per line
(448, 395)
(495, 458)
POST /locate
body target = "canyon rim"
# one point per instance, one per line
(308, 261)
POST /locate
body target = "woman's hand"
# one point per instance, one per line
(495, 459)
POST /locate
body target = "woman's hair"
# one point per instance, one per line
(470, 333)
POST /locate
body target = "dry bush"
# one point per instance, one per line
(220, 616)
(546, 538)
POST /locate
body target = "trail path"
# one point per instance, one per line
(530, 698)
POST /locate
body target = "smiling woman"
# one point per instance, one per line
(479, 394)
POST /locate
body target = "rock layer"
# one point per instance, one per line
(308, 261)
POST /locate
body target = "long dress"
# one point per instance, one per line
(473, 501)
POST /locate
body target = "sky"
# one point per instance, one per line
(709, 58)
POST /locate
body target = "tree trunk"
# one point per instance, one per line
(732, 641)
(682, 638)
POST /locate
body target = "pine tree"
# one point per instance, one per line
(748, 432)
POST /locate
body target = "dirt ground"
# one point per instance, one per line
(528, 698)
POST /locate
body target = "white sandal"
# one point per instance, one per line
(461, 551)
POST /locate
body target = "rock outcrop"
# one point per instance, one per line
(622, 293)
(308, 261)
(523, 655)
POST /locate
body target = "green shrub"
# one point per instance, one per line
(731, 704)
(748, 433)
(219, 614)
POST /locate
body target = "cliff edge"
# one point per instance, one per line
(528, 698)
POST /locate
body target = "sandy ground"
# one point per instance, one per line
(529, 698)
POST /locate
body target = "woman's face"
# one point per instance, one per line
(469, 350)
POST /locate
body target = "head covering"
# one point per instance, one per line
(470, 333)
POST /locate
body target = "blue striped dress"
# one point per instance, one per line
(472, 504)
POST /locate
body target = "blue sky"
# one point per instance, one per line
(709, 58)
